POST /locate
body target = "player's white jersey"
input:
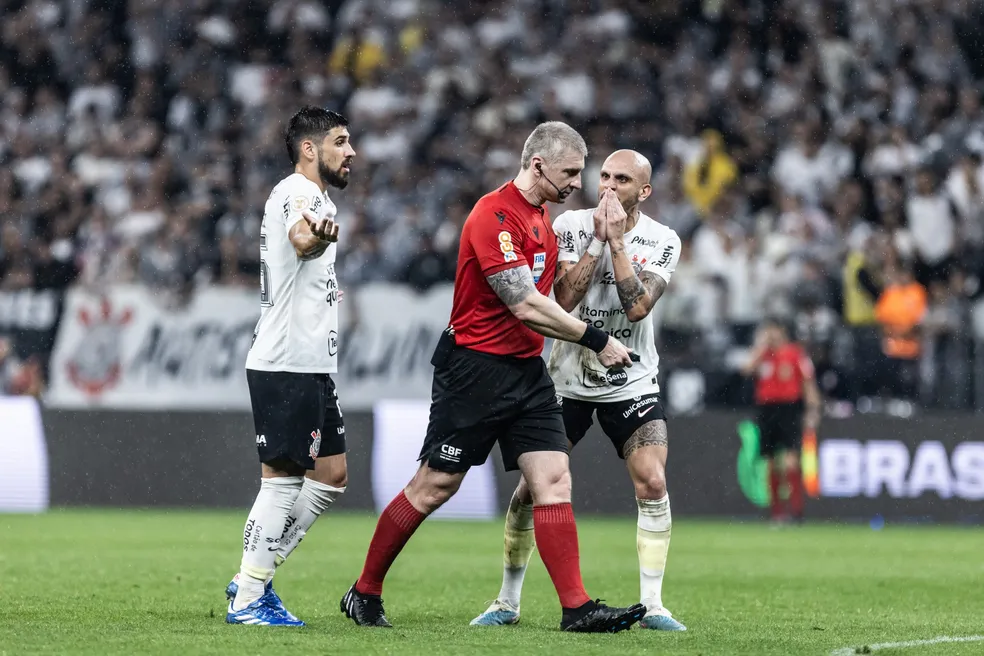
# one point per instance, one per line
(298, 326)
(575, 370)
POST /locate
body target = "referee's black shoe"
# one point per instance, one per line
(367, 610)
(596, 617)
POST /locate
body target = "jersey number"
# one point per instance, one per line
(266, 293)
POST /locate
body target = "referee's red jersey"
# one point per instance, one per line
(502, 231)
(781, 375)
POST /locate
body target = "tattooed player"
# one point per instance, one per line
(614, 264)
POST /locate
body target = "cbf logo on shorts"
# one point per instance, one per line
(539, 264)
(315, 443)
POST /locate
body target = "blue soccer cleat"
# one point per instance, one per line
(265, 611)
(498, 614)
(661, 620)
(233, 589)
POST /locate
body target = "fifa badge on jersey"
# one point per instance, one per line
(315, 444)
(539, 264)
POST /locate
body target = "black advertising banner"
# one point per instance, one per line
(925, 468)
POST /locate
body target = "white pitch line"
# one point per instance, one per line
(851, 651)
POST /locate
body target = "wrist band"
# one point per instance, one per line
(594, 339)
(596, 248)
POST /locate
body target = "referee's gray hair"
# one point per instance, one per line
(552, 140)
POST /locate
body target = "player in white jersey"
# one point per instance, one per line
(300, 434)
(615, 263)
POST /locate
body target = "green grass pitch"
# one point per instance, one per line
(151, 582)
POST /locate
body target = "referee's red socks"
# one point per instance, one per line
(393, 530)
(794, 478)
(556, 538)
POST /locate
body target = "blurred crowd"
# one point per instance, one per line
(821, 159)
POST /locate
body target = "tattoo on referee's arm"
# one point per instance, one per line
(512, 286)
(652, 433)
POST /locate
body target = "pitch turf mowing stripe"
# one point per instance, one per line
(850, 651)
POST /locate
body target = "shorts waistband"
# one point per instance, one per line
(500, 359)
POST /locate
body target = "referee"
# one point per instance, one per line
(788, 401)
(491, 385)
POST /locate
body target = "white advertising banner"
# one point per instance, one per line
(398, 433)
(123, 349)
(388, 337)
(23, 456)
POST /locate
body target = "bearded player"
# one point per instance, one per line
(614, 264)
(300, 434)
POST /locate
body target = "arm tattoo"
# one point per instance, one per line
(577, 281)
(654, 284)
(512, 286)
(630, 292)
(652, 433)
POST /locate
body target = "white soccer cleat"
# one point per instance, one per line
(498, 614)
(660, 619)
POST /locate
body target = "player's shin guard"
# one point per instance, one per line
(264, 526)
(556, 535)
(518, 548)
(653, 545)
(395, 527)
(314, 499)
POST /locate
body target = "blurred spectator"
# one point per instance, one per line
(793, 142)
(900, 311)
(932, 219)
(710, 173)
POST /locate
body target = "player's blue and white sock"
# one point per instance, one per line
(313, 500)
(261, 536)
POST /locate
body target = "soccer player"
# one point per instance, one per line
(784, 380)
(300, 434)
(491, 385)
(615, 263)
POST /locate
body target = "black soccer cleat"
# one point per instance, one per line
(596, 617)
(367, 610)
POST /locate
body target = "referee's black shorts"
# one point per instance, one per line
(478, 399)
(780, 426)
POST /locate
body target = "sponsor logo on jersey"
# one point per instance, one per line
(317, 203)
(261, 440)
(506, 246)
(642, 241)
(610, 378)
(617, 377)
(315, 443)
(332, 343)
(501, 216)
(618, 333)
(586, 312)
(539, 264)
(642, 406)
(664, 259)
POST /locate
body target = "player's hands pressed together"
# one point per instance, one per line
(615, 218)
(324, 229)
(615, 354)
(600, 217)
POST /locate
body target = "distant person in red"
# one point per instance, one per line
(788, 402)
